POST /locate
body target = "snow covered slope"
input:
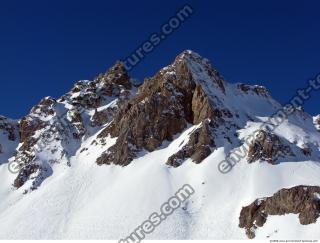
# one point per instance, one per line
(316, 120)
(97, 162)
(9, 138)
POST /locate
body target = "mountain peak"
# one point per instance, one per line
(185, 92)
(188, 54)
(117, 75)
(191, 69)
(192, 58)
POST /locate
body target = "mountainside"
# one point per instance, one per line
(97, 162)
(9, 138)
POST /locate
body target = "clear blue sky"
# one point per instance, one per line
(46, 46)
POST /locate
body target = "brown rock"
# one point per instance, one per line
(28, 127)
(117, 75)
(259, 90)
(302, 200)
(306, 150)
(163, 107)
(201, 107)
(24, 174)
(77, 122)
(267, 147)
(120, 154)
(99, 118)
(244, 88)
(9, 127)
(45, 106)
(198, 147)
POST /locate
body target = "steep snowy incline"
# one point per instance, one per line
(9, 140)
(92, 202)
(316, 121)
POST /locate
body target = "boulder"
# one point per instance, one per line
(301, 200)
(267, 147)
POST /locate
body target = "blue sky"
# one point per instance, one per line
(46, 46)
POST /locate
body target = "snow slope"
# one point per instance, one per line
(8, 138)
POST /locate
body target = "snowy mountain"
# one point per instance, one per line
(97, 162)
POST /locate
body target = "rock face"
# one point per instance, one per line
(267, 147)
(9, 127)
(54, 125)
(163, 107)
(259, 90)
(100, 117)
(198, 147)
(301, 200)
(37, 130)
(306, 150)
(93, 94)
(25, 174)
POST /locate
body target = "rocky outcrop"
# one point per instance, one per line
(9, 127)
(163, 107)
(301, 200)
(76, 119)
(316, 121)
(36, 131)
(93, 94)
(198, 147)
(115, 76)
(53, 125)
(143, 125)
(255, 89)
(267, 147)
(30, 124)
(306, 150)
(99, 118)
(24, 174)
(9, 138)
(84, 95)
(28, 127)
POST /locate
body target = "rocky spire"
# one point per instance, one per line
(117, 75)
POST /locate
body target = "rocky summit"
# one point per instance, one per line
(101, 158)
